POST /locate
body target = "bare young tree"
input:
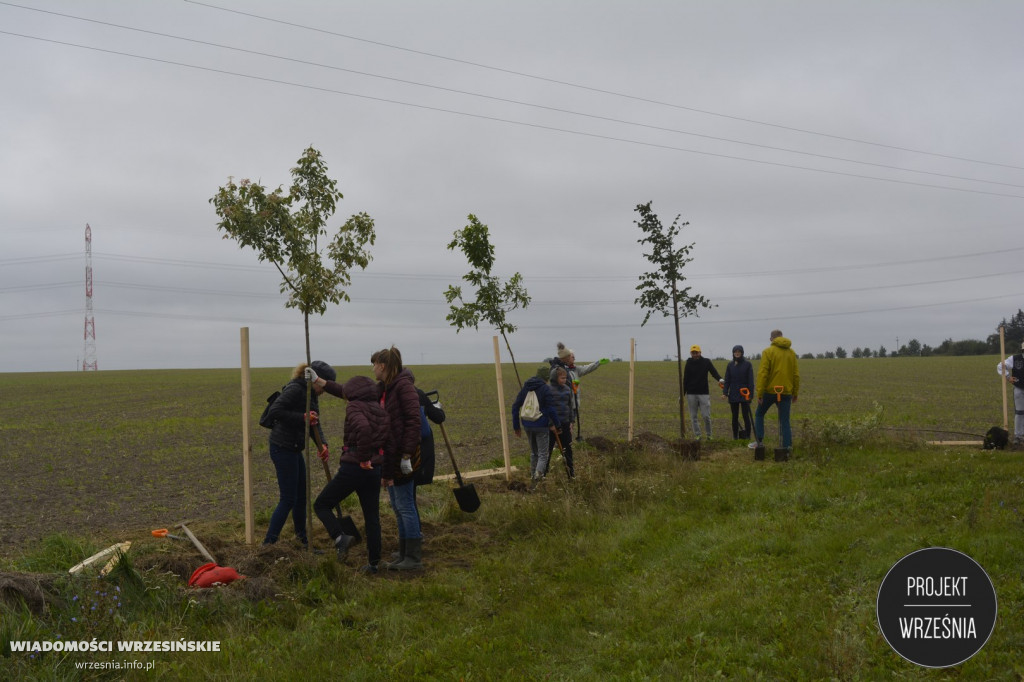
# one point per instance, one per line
(494, 299)
(661, 289)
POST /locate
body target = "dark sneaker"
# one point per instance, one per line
(369, 569)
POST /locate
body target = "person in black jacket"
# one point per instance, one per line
(739, 375)
(695, 386)
(429, 412)
(287, 443)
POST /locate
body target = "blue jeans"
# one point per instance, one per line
(351, 478)
(403, 501)
(291, 481)
(785, 432)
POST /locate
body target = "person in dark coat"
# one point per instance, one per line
(429, 412)
(402, 453)
(739, 375)
(287, 442)
(538, 429)
(359, 467)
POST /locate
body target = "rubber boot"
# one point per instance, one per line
(341, 545)
(413, 559)
(400, 554)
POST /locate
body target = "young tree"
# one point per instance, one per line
(661, 290)
(287, 230)
(493, 300)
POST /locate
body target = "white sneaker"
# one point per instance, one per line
(752, 445)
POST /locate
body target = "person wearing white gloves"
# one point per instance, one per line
(1012, 370)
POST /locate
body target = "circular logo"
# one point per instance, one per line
(936, 607)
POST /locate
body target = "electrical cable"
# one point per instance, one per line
(524, 124)
(602, 91)
(504, 100)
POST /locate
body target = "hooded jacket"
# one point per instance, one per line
(548, 416)
(367, 426)
(402, 404)
(739, 374)
(778, 368)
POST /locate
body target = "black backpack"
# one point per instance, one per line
(265, 420)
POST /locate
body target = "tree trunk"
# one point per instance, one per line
(309, 482)
(679, 363)
(514, 367)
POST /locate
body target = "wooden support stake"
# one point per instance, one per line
(250, 520)
(501, 411)
(632, 376)
(1002, 378)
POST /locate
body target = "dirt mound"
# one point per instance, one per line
(31, 588)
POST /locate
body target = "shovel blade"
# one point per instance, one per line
(467, 498)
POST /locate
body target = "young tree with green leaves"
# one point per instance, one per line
(290, 231)
(494, 299)
(661, 289)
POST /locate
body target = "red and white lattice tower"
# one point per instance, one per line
(90, 324)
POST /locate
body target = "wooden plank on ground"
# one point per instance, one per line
(956, 442)
(476, 474)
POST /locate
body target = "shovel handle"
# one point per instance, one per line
(199, 545)
(778, 393)
(451, 455)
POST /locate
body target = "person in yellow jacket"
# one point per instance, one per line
(778, 383)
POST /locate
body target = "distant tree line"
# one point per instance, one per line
(1014, 336)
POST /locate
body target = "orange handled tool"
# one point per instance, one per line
(162, 533)
(778, 393)
(745, 392)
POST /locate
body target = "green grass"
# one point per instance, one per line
(647, 567)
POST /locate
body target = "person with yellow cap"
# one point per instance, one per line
(695, 386)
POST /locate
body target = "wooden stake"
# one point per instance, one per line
(632, 375)
(1002, 378)
(501, 411)
(250, 520)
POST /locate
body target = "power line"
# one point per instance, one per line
(578, 324)
(524, 124)
(505, 100)
(535, 278)
(600, 90)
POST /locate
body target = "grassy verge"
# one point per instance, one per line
(646, 567)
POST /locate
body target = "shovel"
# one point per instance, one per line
(162, 533)
(465, 495)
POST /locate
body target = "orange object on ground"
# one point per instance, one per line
(211, 574)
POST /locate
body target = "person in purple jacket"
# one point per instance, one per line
(359, 471)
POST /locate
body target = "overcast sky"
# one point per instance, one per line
(852, 172)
